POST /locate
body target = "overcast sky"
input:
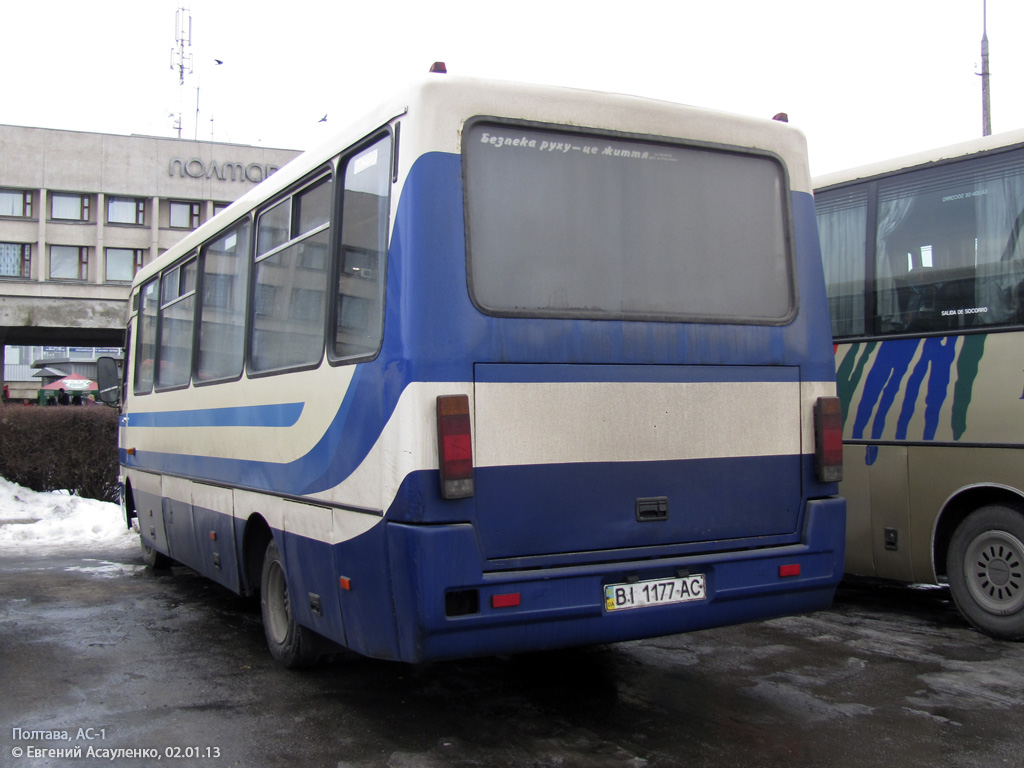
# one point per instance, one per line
(864, 79)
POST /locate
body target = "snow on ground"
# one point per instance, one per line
(31, 522)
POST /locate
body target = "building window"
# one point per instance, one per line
(16, 202)
(69, 207)
(218, 207)
(123, 263)
(126, 210)
(184, 215)
(69, 262)
(15, 259)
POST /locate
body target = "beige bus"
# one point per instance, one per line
(925, 272)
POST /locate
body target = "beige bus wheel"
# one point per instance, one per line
(290, 643)
(986, 571)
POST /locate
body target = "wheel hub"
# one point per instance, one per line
(998, 573)
(995, 568)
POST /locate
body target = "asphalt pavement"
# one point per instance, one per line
(106, 662)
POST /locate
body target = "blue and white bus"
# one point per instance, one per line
(501, 368)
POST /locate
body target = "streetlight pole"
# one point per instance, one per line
(986, 105)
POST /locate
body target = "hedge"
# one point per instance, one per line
(62, 447)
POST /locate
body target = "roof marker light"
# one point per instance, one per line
(439, 68)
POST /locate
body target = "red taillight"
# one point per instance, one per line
(828, 439)
(455, 446)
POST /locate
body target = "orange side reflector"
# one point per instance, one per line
(345, 583)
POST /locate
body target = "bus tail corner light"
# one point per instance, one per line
(828, 439)
(454, 446)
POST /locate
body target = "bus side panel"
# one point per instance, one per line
(149, 509)
(215, 535)
(177, 511)
(809, 337)
(313, 588)
(369, 613)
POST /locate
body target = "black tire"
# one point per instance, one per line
(291, 644)
(986, 571)
(158, 561)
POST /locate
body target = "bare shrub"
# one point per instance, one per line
(70, 448)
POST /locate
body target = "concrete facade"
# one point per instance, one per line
(81, 212)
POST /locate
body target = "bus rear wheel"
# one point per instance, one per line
(290, 643)
(986, 571)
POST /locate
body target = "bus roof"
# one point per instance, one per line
(936, 156)
(465, 96)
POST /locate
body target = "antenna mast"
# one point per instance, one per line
(986, 106)
(181, 55)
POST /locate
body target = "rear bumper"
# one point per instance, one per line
(562, 607)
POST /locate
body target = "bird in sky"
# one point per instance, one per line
(322, 119)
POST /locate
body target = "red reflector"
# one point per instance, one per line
(789, 570)
(505, 601)
(828, 439)
(455, 446)
(213, 535)
(345, 583)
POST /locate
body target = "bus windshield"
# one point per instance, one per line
(575, 225)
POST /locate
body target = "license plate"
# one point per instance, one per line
(642, 594)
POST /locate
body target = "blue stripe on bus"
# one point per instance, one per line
(273, 415)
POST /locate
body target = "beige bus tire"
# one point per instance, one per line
(290, 643)
(986, 571)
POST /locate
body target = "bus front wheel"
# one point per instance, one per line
(290, 643)
(986, 571)
(158, 561)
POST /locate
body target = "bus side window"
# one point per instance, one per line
(293, 240)
(222, 312)
(145, 353)
(360, 290)
(177, 313)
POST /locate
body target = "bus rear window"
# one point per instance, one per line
(565, 224)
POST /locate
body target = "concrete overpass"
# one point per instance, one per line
(65, 315)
